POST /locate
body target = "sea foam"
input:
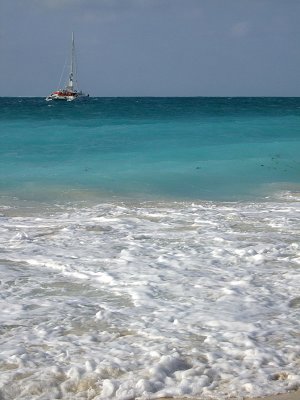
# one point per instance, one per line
(150, 299)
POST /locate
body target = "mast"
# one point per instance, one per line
(70, 85)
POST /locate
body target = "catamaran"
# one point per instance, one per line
(71, 91)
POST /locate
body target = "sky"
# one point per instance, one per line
(152, 47)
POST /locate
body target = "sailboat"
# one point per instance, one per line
(70, 92)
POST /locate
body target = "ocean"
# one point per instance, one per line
(150, 247)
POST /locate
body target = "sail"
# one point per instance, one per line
(70, 85)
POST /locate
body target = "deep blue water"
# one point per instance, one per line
(149, 148)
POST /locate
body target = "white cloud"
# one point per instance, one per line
(95, 11)
(240, 29)
(117, 5)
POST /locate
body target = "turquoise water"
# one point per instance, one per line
(149, 148)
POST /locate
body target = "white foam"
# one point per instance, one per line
(149, 300)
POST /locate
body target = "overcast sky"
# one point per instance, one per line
(152, 47)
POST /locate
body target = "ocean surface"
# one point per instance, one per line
(150, 247)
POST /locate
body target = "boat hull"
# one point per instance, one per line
(57, 97)
(65, 95)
